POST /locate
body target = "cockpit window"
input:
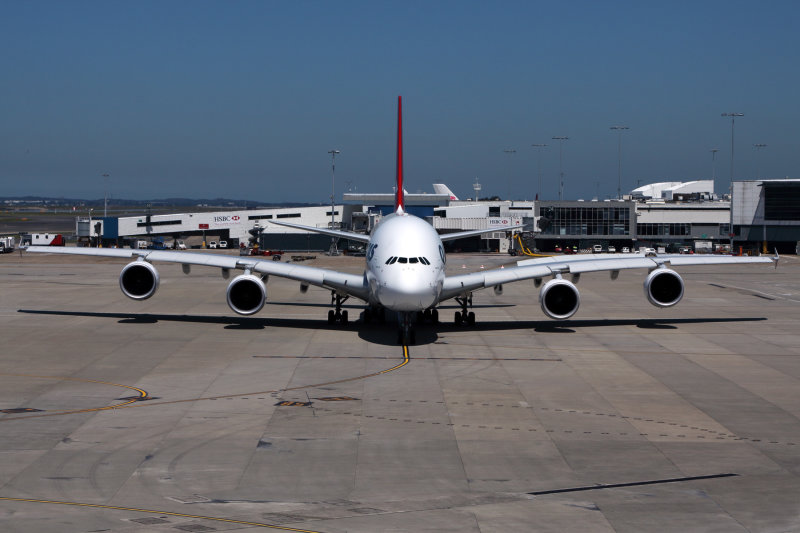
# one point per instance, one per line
(405, 260)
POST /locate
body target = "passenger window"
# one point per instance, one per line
(424, 261)
(394, 260)
(413, 260)
(402, 259)
(389, 261)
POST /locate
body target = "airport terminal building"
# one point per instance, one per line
(670, 215)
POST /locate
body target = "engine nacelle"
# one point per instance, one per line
(559, 299)
(663, 287)
(139, 280)
(246, 294)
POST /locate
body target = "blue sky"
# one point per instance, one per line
(244, 99)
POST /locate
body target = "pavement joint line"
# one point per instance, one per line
(143, 394)
(152, 511)
(631, 484)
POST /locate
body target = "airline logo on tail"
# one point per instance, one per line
(441, 188)
(399, 200)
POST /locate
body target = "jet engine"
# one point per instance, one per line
(663, 287)
(246, 294)
(139, 280)
(559, 299)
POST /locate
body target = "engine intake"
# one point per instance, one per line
(559, 299)
(139, 280)
(663, 287)
(246, 294)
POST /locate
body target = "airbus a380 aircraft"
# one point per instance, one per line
(405, 271)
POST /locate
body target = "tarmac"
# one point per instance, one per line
(175, 414)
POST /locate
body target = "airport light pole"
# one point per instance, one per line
(105, 201)
(619, 130)
(758, 148)
(733, 123)
(730, 186)
(714, 163)
(560, 165)
(539, 165)
(509, 151)
(333, 250)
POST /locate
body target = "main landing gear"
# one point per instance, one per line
(337, 316)
(464, 317)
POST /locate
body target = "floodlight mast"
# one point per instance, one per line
(619, 130)
(105, 200)
(733, 123)
(560, 165)
(730, 186)
(714, 163)
(539, 168)
(333, 250)
(758, 148)
(509, 151)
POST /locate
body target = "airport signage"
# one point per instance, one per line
(226, 220)
(202, 226)
(496, 222)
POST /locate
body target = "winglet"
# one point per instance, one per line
(399, 201)
(775, 258)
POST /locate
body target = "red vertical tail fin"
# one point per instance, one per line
(399, 200)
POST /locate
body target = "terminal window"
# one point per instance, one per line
(782, 202)
(586, 221)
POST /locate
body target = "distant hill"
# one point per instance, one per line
(224, 203)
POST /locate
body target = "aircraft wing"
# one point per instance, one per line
(471, 233)
(578, 264)
(360, 237)
(343, 282)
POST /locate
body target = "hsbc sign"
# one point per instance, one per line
(496, 222)
(226, 219)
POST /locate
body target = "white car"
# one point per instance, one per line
(625, 250)
(212, 244)
(612, 250)
(181, 245)
(223, 244)
(649, 252)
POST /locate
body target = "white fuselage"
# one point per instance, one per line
(405, 264)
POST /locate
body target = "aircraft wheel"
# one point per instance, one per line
(457, 318)
(471, 319)
(344, 317)
(331, 317)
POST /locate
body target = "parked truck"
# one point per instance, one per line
(45, 239)
(7, 245)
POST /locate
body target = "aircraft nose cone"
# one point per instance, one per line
(408, 293)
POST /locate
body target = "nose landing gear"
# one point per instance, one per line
(405, 332)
